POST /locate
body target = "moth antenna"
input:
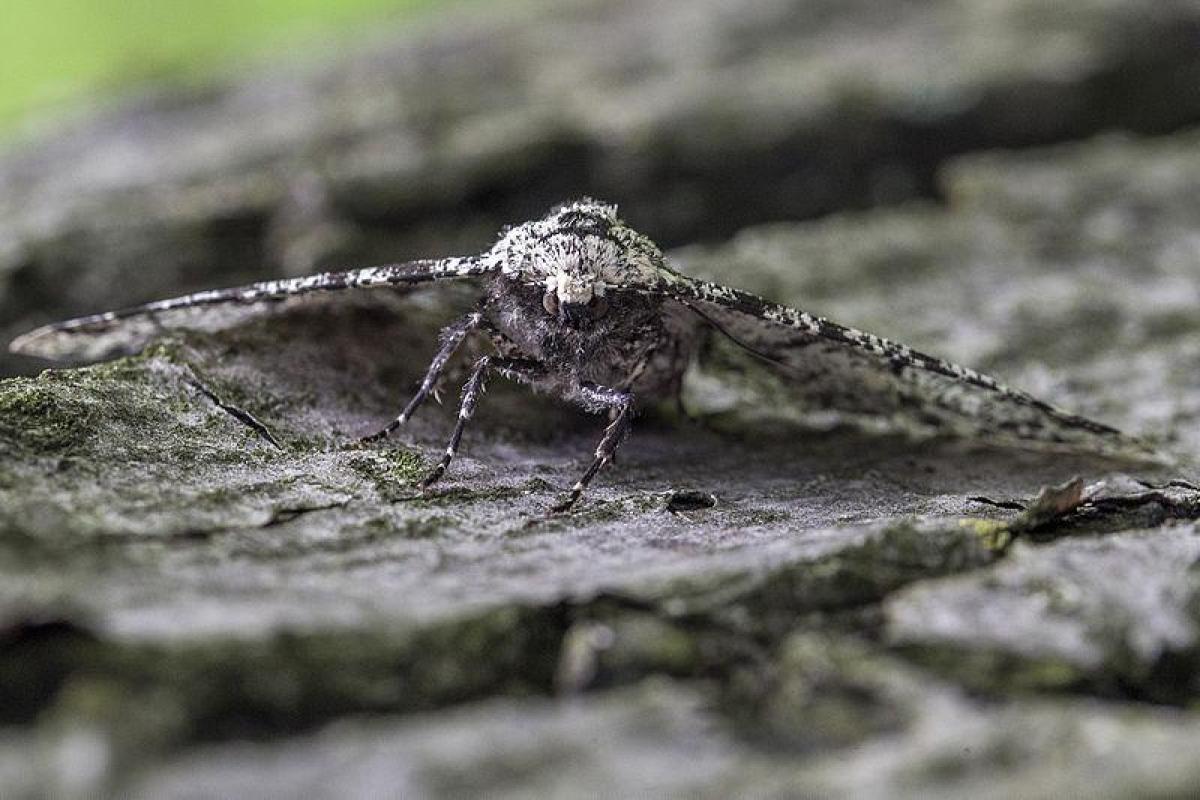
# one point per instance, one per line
(721, 329)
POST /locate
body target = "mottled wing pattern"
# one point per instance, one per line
(101, 336)
(834, 367)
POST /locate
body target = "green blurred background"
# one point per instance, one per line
(53, 51)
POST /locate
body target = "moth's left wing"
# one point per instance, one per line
(127, 330)
(833, 367)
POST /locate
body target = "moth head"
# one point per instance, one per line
(574, 297)
(579, 254)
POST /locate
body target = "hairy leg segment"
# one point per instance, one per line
(618, 401)
(452, 337)
(521, 370)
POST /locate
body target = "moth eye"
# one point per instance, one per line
(598, 306)
(550, 303)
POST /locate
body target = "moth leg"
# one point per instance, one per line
(619, 401)
(452, 337)
(516, 369)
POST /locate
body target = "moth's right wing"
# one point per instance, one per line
(833, 367)
(100, 336)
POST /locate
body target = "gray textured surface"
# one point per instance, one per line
(188, 610)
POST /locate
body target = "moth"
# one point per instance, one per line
(580, 306)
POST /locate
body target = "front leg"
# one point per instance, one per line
(620, 403)
(513, 368)
(452, 336)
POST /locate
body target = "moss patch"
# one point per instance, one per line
(39, 417)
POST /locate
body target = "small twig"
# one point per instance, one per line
(1010, 505)
(241, 415)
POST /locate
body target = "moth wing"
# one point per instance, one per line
(81, 340)
(100, 336)
(869, 379)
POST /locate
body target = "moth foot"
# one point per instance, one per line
(565, 505)
(433, 477)
(385, 432)
(560, 508)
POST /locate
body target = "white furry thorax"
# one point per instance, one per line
(579, 251)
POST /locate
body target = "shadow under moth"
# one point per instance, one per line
(582, 307)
